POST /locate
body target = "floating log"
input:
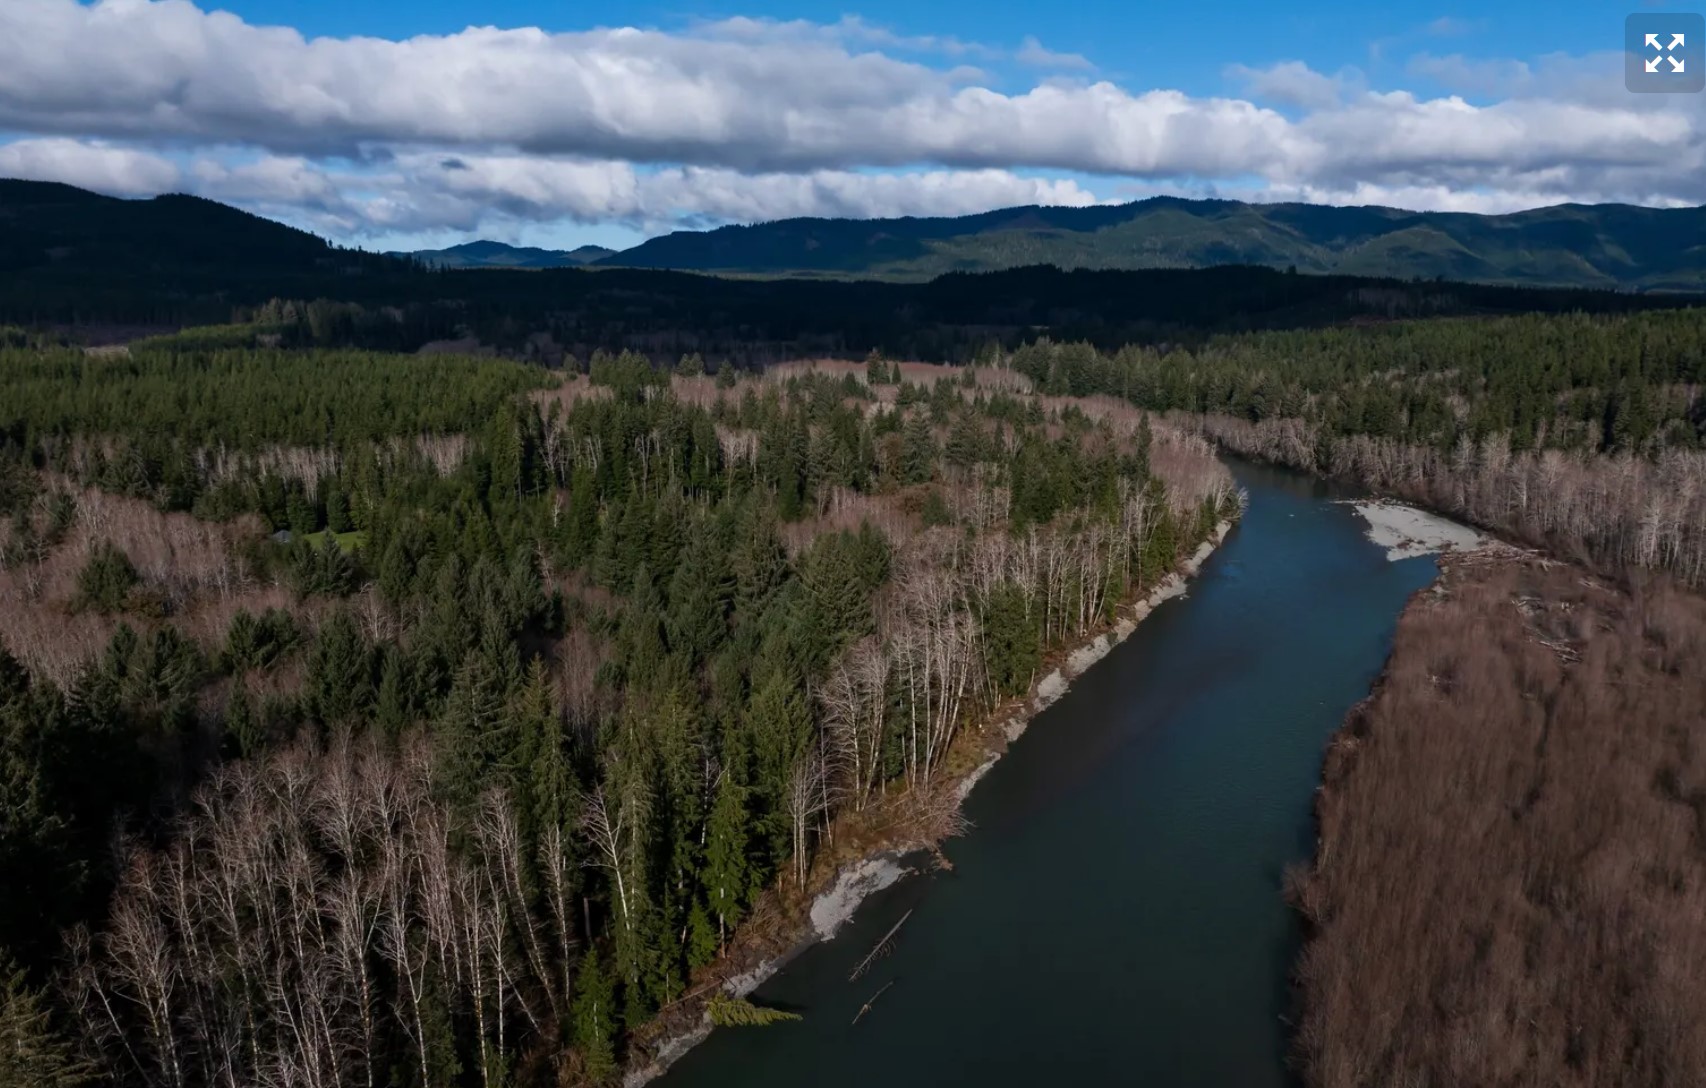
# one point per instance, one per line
(880, 947)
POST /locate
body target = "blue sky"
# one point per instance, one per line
(396, 125)
(1180, 44)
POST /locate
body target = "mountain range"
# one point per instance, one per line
(58, 232)
(100, 265)
(1602, 245)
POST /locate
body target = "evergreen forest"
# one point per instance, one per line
(384, 719)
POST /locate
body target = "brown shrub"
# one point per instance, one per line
(1510, 883)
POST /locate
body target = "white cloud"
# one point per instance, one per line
(1450, 26)
(117, 171)
(419, 192)
(1293, 83)
(1032, 52)
(754, 118)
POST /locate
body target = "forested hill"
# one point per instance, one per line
(484, 254)
(1602, 245)
(51, 229)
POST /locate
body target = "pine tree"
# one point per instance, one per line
(581, 525)
(304, 518)
(918, 450)
(1011, 639)
(876, 370)
(32, 1055)
(393, 709)
(505, 450)
(760, 565)
(699, 596)
(474, 732)
(593, 1015)
(337, 512)
(641, 641)
(396, 573)
(242, 723)
(726, 875)
(702, 940)
(779, 722)
(551, 782)
(339, 685)
(105, 582)
(727, 1011)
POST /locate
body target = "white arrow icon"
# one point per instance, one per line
(1675, 66)
(1676, 41)
(1653, 42)
(1652, 66)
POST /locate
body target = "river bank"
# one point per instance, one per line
(1508, 885)
(874, 857)
(1116, 915)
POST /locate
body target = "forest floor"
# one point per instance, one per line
(1510, 882)
(866, 851)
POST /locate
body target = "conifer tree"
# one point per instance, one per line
(702, 941)
(241, 722)
(642, 643)
(474, 732)
(727, 875)
(918, 450)
(32, 1055)
(551, 781)
(393, 706)
(876, 370)
(105, 582)
(730, 1012)
(699, 596)
(337, 511)
(760, 565)
(780, 724)
(339, 684)
(593, 1013)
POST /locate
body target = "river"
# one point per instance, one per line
(1114, 916)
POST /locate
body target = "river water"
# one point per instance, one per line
(1114, 916)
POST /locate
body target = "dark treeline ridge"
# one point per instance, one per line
(957, 317)
(1510, 886)
(374, 719)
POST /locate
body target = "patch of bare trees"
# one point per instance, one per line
(927, 662)
(190, 569)
(1620, 510)
(315, 911)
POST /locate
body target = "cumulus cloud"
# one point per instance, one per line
(1033, 53)
(417, 192)
(117, 171)
(1293, 83)
(754, 118)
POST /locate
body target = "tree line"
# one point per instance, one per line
(1583, 433)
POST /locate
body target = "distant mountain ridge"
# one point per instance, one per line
(485, 254)
(1599, 245)
(59, 231)
(103, 267)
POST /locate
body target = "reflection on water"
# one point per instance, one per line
(1114, 916)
